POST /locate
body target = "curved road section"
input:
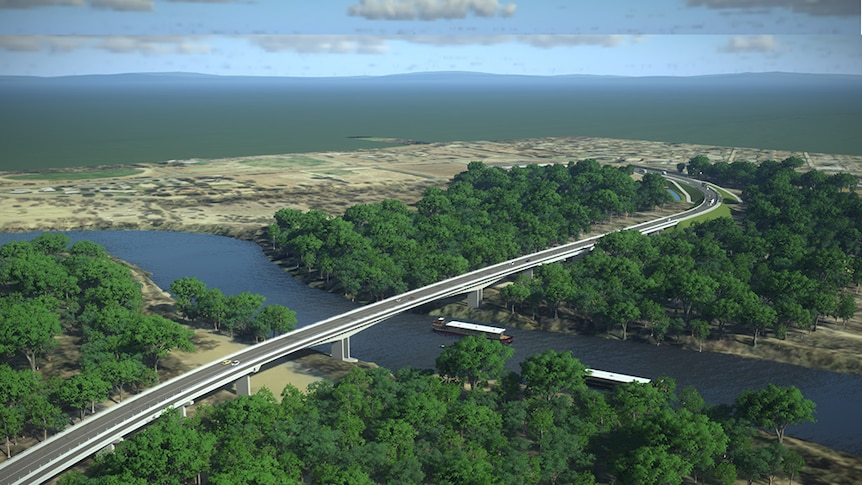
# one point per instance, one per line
(51, 457)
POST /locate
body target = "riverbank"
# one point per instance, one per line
(299, 369)
(823, 465)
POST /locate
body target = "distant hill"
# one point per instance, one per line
(449, 78)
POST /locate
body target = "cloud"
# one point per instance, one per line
(550, 41)
(539, 41)
(34, 43)
(39, 3)
(152, 44)
(119, 5)
(810, 7)
(454, 40)
(429, 9)
(754, 43)
(320, 44)
(123, 5)
(144, 44)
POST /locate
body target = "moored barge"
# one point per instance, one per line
(463, 329)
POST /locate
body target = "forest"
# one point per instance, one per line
(51, 290)
(791, 259)
(486, 215)
(473, 423)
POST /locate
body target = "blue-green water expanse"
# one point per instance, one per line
(98, 120)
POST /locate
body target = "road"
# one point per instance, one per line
(51, 457)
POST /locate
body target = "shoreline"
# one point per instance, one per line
(197, 196)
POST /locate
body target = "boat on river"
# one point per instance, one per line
(463, 329)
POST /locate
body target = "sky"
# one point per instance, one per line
(382, 37)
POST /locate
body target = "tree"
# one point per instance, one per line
(28, 327)
(82, 390)
(775, 407)
(846, 307)
(241, 309)
(273, 319)
(155, 336)
(213, 306)
(120, 373)
(11, 425)
(517, 292)
(170, 451)
(700, 331)
(187, 292)
(549, 373)
(44, 414)
(474, 359)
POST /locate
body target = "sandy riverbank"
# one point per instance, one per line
(299, 369)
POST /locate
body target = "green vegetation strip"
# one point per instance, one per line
(285, 162)
(696, 195)
(721, 211)
(83, 175)
(727, 196)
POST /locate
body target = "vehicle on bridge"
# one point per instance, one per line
(463, 329)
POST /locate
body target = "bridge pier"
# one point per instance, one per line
(341, 350)
(528, 273)
(243, 387)
(474, 298)
(184, 406)
(110, 448)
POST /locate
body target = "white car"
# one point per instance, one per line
(235, 363)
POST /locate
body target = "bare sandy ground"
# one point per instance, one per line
(238, 196)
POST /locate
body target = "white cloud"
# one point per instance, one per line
(754, 43)
(34, 43)
(145, 44)
(454, 40)
(429, 9)
(39, 3)
(549, 41)
(320, 44)
(810, 7)
(123, 5)
(539, 41)
(152, 44)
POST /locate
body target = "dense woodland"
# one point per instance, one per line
(542, 425)
(50, 290)
(485, 216)
(791, 260)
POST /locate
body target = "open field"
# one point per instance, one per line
(238, 196)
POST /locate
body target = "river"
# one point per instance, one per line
(406, 340)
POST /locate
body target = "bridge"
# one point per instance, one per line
(51, 457)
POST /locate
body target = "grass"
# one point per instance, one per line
(285, 162)
(727, 196)
(696, 195)
(80, 175)
(722, 211)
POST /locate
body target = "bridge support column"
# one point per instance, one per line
(528, 273)
(110, 448)
(474, 298)
(341, 350)
(243, 385)
(184, 406)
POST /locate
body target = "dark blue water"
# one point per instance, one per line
(406, 340)
(107, 120)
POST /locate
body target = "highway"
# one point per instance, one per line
(45, 460)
